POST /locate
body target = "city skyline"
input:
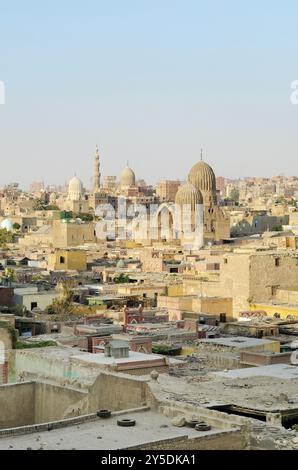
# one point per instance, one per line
(211, 76)
(148, 230)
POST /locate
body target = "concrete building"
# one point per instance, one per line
(30, 298)
(167, 190)
(67, 233)
(249, 277)
(68, 260)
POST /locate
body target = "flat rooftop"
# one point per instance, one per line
(103, 434)
(281, 371)
(262, 392)
(238, 342)
(101, 359)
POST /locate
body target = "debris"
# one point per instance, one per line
(178, 421)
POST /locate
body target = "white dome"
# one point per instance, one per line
(128, 177)
(75, 189)
(7, 224)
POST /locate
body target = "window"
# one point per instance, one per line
(277, 262)
(33, 305)
(225, 261)
(62, 260)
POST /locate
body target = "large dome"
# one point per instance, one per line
(7, 224)
(187, 194)
(128, 177)
(75, 189)
(202, 177)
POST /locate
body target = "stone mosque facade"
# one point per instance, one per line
(197, 196)
(198, 191)
(215, 219)
(77, 200)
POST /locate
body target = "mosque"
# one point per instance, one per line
(197, 197)
(201, 189)
(198, 191)
(77, 199)
(127, 179)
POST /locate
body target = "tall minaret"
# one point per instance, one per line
(96, 175)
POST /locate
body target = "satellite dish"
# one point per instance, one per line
(294, 358)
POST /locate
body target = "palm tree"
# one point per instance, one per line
(9, 276)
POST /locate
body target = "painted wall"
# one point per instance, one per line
(272, 309)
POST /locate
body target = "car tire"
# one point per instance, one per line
(192, 423)
(104, 413)
(202, 427)
(126, 423)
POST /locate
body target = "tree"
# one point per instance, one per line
(51, 207)
(38, 205)
(5, 237)
(121, 279)
(9, 276)
(36, 278)
(64, 303)
(16, 226)
(84, 216)
(234, 195)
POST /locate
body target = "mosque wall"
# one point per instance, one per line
(70, 234)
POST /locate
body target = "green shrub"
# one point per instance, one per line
(13, 332)
(35, 344)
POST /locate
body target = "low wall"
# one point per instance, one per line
(51, 425)
(30, 403)
(225, 440)
(17, 404)
(55, 402)
(263, 359)
(116, 392)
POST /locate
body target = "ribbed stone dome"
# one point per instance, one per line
(75, 189)
(188, 194)
(128, 177)
(202, 177)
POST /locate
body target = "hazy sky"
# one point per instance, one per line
(150, 81)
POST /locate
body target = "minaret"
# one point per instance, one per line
(96, 175)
